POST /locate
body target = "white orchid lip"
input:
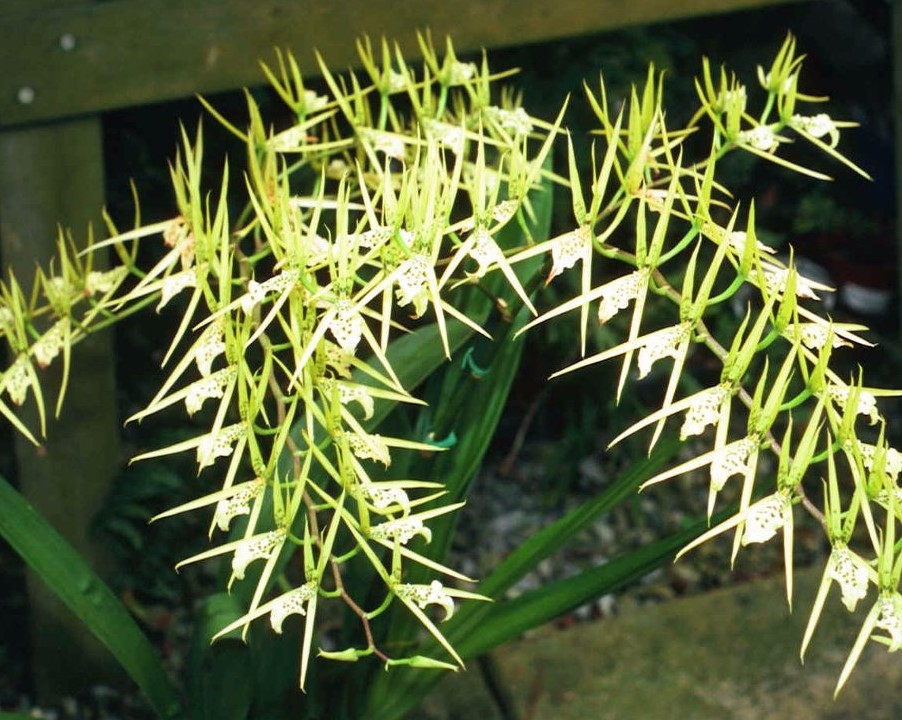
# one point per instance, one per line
(423, 595)
(617, 294)
(257, 547)
(569, 248)
(766, 518)
(851, 575)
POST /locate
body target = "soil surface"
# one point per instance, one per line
(730, 653)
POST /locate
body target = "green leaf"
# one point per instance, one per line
(220, 677)
(505, 621)
(59, 565)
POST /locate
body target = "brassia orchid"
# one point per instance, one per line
(404, 201)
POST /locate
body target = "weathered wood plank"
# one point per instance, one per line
(81, 59)
(896, 38)
(48, 175)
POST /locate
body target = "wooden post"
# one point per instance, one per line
(896, 40)
(48, 175)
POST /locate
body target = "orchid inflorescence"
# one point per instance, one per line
(387, 196)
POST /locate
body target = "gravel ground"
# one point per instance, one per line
(506, 508)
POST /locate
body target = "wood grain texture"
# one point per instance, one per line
(48, 175)
(132, 52)
(896, 38)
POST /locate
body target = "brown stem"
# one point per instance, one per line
(358, 611)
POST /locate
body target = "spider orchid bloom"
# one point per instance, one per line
(568, 249)
(291, 603)
(758, 524)
(451, 136)
(886, 615)
(16, 380)
(290, 140)
(484, 251)
(402, 530)
(660, 344)
(890, 618)
(7, 319)
(671, 341)
(346, 326)
(853, 575)
(373, 238)
(461, 73)
(775, 281)
(210, 346)
(395, 81)
(883, 497)
(735, 97)
(504, 211)
(103, 282)
(766, 517)
(178, 236)
(351, 392)
(735, 239)
(893, 459)
(59, 290)
(382, 498)
(174, 283)
(817, 126)
(212, 386)
(617, 294)
(368, 446)
(762, 138)
(769, 83)
(388, 143)
(516, 122)
(418, 597)
(814, 335)
(256, 547)
(413, 282)
(51, 342)
(313, 102)
(732, 459)
(219, 445)
(704, 411)
(257, 292)
(738, 239)
(298, 601)
(338, 359)
(850, 572)
(237, 504)
(867, 402)
(423, 595)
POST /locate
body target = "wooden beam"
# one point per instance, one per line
(86, 58)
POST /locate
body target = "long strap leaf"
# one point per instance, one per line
(69, 577)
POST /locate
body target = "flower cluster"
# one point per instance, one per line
(390, 224)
